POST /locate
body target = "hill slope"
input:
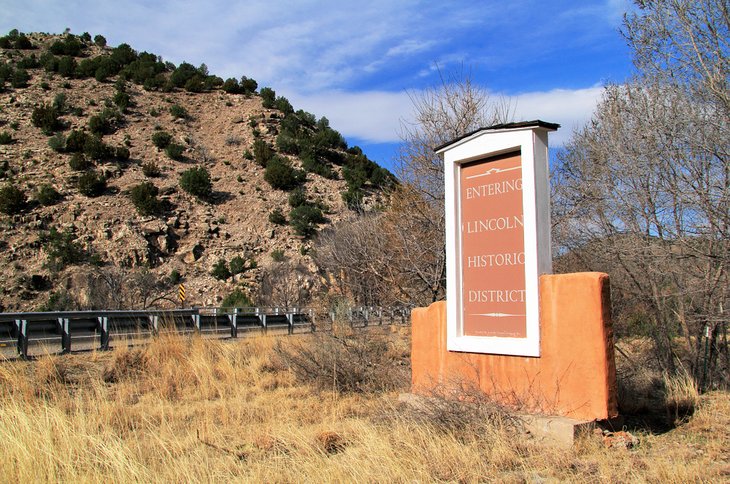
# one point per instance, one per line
(91, 251)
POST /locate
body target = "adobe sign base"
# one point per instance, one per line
(575, 375)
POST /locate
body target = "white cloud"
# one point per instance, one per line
(371, 116)
(375, 116)
(571, 108)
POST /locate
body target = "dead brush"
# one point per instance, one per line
(344, 361)
(126, 363)
(461, 410)
(681, 396)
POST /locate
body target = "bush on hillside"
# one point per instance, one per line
(62, 249)
(144, 198)
(161, 139)
(248, 86)
(304, 220)
(237, 265)
(281, 175)
(76, 141)
(150, 169)
(277, 217)
(20, 79)
(47, 195)
(100, 40)
(46, 118)
(297, 197)
(262, 152)
(268, 97)
(179, 112)
(97, 150)
(196, 181)
(92, 184)
(12, 199)
(236, 299)
(220, 270)
(79, 162)
(175, 151)
(6, 138)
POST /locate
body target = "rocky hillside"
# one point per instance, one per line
(124, 176)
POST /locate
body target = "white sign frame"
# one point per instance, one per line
(532, 142)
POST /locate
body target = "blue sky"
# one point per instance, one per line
(356, 62)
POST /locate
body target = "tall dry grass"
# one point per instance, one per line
(196, 410)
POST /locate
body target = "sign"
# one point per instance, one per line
(492, 247)
(181, 293)
(497, 237)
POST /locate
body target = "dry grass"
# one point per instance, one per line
(193, 410)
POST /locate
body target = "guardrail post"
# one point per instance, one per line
(234, 323)
(104, 326)
(349, 316)
(263, 322)
(312, 323)
(154, 322)
(196, 321)
(366, 314)
(65, 335)
(290, 321)
(22, 326)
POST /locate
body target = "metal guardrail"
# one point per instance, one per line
(20, 329)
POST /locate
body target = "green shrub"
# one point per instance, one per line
(122, 100)
(47, 195)
(12, 199)
(45, 117)
(62, 250)
(268, 97)
(20, 78)
(220, 270)
(59, 301)
(297, 197)
(304, 220)
(79, 162)
(175, 151)
(76, 141)
(100, 40)
(67, 66)
(179, 112)
(281, 175)
(6, 138)
(262, 152)
(144, 198)
(57, 143)
(278, 255)
(353, 198)
(175, 277)
(277, 217)
(96, 149)
(105, 122)
(121, 153)
(248, 86)
(150, 169)
(237, 265)
(161, 139)
(196, 181)
(92, 184)
(236, 299)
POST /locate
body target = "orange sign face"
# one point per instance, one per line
(493, 247)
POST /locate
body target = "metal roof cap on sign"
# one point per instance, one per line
(500, 127)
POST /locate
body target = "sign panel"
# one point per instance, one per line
(493, 247)
(497, 237)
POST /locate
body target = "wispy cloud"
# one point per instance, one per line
(375, 116)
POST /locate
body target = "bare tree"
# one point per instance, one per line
(643, 191)
(398, 256)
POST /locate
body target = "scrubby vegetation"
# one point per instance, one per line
(316, 408)
(196, 181)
